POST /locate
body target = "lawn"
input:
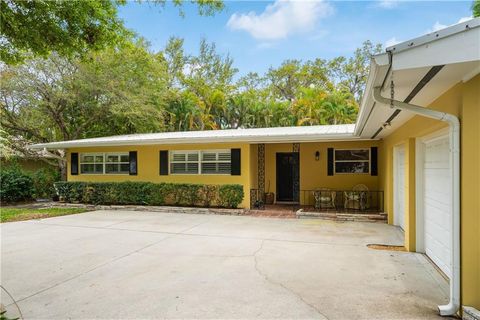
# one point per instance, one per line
(19, 214)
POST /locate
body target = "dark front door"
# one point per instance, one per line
(287, 176)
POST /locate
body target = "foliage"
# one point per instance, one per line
(128, 89)
(43, 180)
(15, 185)
(20, 214)
(146, 193)
(476, 8)
(230, 195)
(68, 28)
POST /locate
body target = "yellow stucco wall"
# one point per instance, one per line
(148, 159)
(462, 100)
(313, 174)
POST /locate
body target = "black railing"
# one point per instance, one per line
(342, 200)
(329, 200)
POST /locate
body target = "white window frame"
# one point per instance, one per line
(352, 149)
(216, 151)
(118, 154)
(170, 156)
(199, 162)
(104, 162)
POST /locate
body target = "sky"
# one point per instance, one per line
(261, 34)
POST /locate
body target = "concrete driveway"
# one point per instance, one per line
(120, 264)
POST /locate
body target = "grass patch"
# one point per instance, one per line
(20, 214)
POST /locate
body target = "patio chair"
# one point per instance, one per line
(357, 198)
(324, 198)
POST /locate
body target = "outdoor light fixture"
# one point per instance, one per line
(387, 125)
(317, 155)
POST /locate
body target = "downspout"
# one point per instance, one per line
(454, 131)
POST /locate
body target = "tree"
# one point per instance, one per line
(476, 8)
(352, 73)
(67, 27)
(116, 91)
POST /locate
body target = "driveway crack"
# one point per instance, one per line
(277, 283)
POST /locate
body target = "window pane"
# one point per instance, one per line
(362, 154)
(178, 168)
(351, 167)
(87, 158)
(224, 168)
(224, 156)
(86, 168)
(178, 156)
(209, 167)
(99, 158)
(112, 158)
(193, 156)
(125, 168)
(111, 168)
(192, 168)
(209, 156)
(124, 158)
(98, 168)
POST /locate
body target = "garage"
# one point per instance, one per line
(399, 187)
(437, 202)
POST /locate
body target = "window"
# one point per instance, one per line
(117, 163)
(216, 162)
(352, 161)
(204, 162)
(184, 162)
(91, 163)
(104, 163)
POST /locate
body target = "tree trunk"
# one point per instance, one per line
(62, 164)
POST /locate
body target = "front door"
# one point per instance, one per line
(287, 176)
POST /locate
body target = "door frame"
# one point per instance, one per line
(277, 154)
(420, 182)
(396, 200)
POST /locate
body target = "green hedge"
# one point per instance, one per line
(147, 193)
(15, 185)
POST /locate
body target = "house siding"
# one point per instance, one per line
(148, 167)
(462, 100)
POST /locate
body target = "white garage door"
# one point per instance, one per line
(399, 192)
(437, 203)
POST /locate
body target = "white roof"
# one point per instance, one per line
(260, 135)
(422, 69)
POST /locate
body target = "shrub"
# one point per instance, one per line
(147, 193)
(231, 195)
(15, 185)
(43, 180)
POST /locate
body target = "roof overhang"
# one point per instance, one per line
(261, 135)
(422, 69)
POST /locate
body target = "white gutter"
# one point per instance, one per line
(453, 306)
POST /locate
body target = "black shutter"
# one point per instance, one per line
(132, 156)
(330, 162)
(236, 163)
(74, 164)
(374, 161)
(164, 162)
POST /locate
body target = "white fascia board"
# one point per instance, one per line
(378, 70)
(327, 133)
(456, 47)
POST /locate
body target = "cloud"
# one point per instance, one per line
(439, 26)
(388, 4)
(391, 42)
(281, 19)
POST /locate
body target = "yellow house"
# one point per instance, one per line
(415, 145)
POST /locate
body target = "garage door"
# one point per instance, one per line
(437, 203)
(399, 192)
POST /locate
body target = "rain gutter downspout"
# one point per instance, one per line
(454, 132)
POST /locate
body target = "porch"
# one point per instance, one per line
(322, 177)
